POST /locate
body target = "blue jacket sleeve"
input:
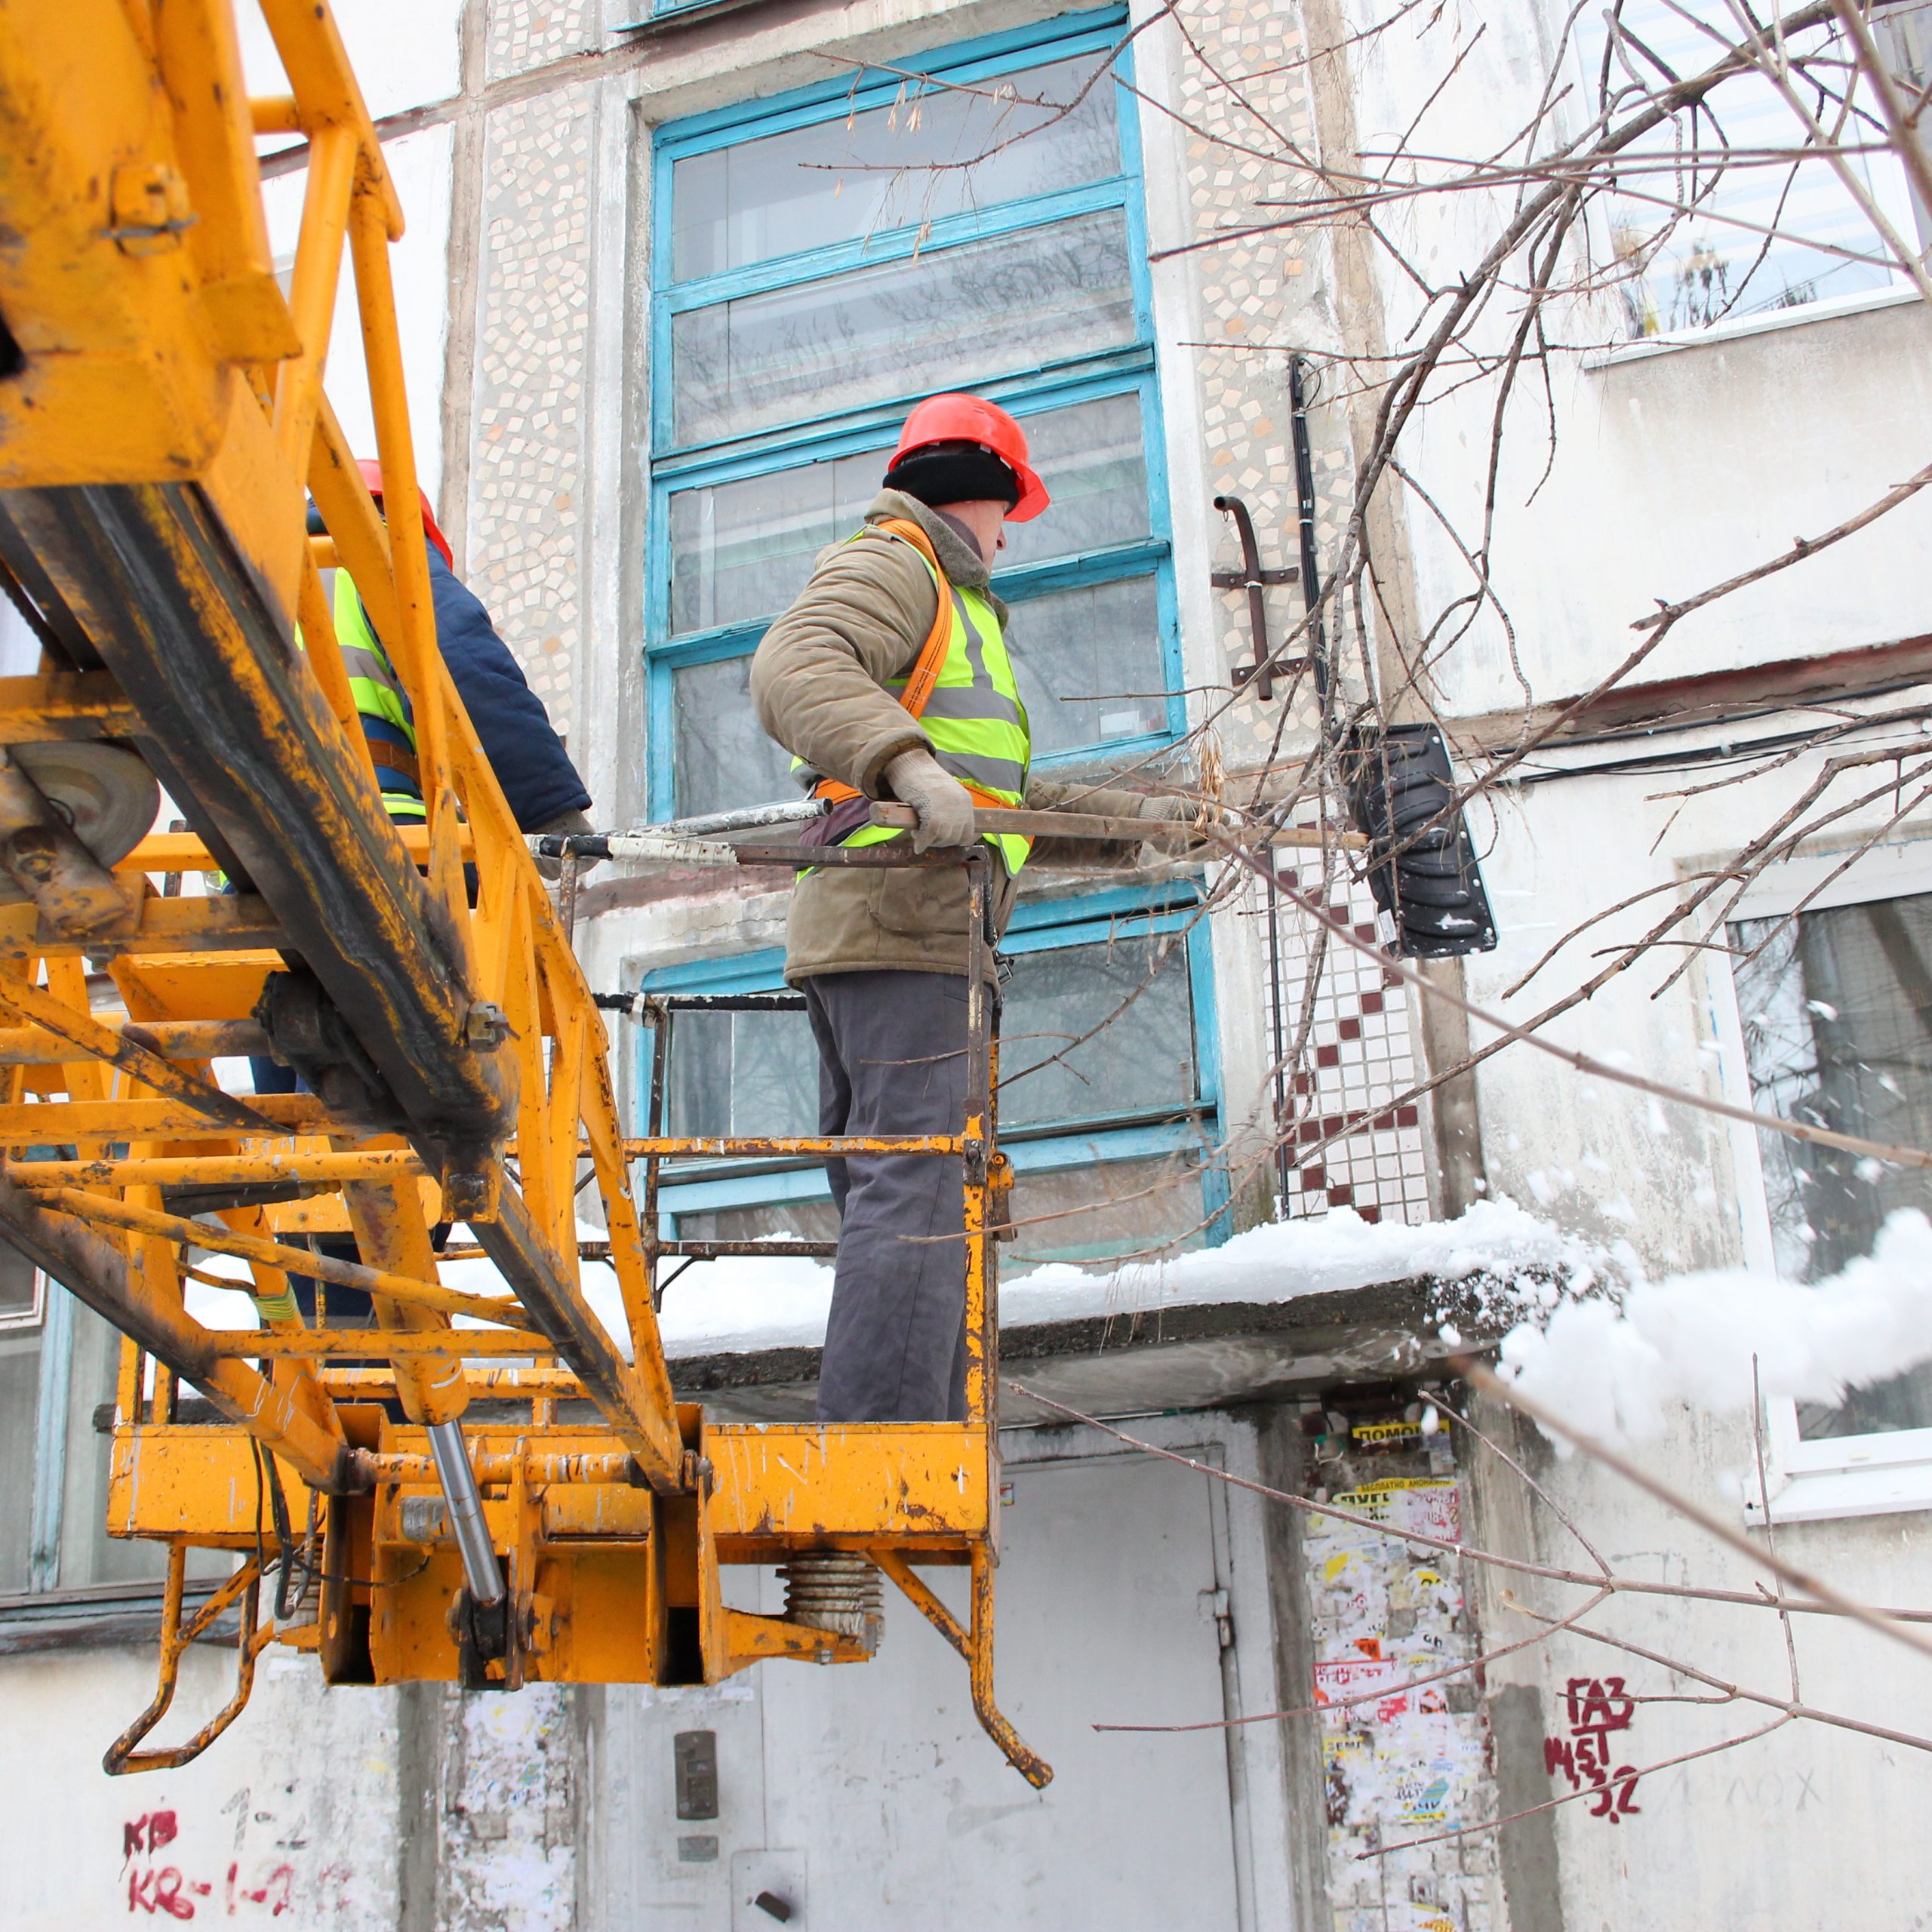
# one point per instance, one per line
(526, 754)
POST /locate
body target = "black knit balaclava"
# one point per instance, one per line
(953, 473)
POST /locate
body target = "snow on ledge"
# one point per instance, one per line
(1590, 1338)
(741, 1306)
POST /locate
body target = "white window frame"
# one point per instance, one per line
(30, 1317)
(1848, 1476)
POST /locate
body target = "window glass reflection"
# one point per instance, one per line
(942, 151)
(1090, 665)
(741, 551)
(950, 318)
(725, 760)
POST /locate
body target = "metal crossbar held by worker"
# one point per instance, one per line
(519, 1500)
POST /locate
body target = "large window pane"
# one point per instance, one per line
(22, 1286)
(1837, 1011)
(758, 1072)
(741, 550)
(1762, 235)
(88, 1554)
(743, 1073)
(1105, 1213)
(804, 1220)
(1049, 1073)
(724, 760)
(1096, 1214)
(1093, 458)
(1088, 662)
(1090, 665)
(915, 160)
(947, 319)
(744, 550)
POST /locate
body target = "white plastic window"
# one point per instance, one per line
(1704, 247)
(1829, 1014)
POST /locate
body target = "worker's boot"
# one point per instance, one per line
(830, 1590)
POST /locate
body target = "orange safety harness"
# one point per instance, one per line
(925, 670)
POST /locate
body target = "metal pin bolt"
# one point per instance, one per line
(485, 1024)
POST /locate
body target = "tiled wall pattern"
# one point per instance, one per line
(1399, 1764)
(1361, 1057)
(525, 481)
(1259, 296)
(523, 34)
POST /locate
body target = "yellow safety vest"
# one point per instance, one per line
(971, 712)
(380, 701)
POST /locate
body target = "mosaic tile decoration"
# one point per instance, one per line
(1361, 1055)
(523, 34)
(526, 464)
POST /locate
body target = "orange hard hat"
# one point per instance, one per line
(372, 477)
(970, 419)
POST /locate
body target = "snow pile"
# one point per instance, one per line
(1610, 1364)
(1286, 1259)
(745, 1303)
(742, 1303)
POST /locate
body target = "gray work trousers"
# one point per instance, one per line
(892, 1060)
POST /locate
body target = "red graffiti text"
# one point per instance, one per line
(1595, 1707)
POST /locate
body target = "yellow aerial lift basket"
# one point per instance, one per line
(163, 422)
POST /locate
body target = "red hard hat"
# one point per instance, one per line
(969, 419)
(372, 477)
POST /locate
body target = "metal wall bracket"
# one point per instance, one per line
(1253, 579)
(1241, 580)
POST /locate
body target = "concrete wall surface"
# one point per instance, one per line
(292, 1818)
(1132, 1591)
(1671, 462)
(1797, 1826)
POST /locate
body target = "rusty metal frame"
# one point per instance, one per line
(240, 1593)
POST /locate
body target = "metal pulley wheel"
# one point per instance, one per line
(107, 796)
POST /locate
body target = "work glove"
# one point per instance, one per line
(1197, 812)
(1203, 816)
(561, 825)
(943, 806)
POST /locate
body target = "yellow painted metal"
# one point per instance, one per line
(64, 705)
(120, 382)
(242, 1592)
(788, 1486)
(447, 1349)
(775, 1489)
(296, 1164)
(185, 852)
(240, 923)
(163, 365)
(145, 1119)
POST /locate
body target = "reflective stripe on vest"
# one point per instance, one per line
(380, 701)
(974, 717)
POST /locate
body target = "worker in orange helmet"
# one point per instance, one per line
(889, 677)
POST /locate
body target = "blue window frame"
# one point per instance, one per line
(1122, 1145)
(819, 264)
